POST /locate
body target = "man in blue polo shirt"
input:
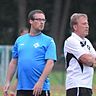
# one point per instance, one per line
(34, 53)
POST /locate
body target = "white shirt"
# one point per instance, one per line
(78, 75)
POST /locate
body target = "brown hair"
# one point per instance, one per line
(31, 14)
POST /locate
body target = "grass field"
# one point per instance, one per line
(57, 84)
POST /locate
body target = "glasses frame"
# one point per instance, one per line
(39, 19)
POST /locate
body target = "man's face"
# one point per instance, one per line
(38, 22)
(82, 27)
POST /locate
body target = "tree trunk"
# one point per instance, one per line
(22, 13)
(56, 20)
(64, 20)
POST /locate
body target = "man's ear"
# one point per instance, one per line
(74, 27)
(30, 21)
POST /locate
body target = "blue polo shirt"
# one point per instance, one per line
(32, 53)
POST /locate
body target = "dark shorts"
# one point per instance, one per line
(30, 92)
(80, 91)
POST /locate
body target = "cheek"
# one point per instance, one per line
(35, 25)
(81, 28)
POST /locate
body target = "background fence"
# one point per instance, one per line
(5, 54)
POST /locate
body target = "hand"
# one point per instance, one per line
(37, 90)
(6, 87)
(5, 93)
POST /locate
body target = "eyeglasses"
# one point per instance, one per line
(39, 19)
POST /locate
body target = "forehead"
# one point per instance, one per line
(39, 15)
(82, 19)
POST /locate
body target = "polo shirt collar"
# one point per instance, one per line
(77, 37)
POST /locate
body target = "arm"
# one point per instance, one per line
(10, 73)
(46, 72)
(88, 60)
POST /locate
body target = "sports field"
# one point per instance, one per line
(57, 84)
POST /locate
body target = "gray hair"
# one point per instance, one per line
(74, 19)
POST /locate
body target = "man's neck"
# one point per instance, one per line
(34, 33)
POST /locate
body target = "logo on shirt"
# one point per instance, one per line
(83, 43)
(88, 47)
(36, 45)
(22, 44)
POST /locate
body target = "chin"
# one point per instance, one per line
(86, 34)
(41, 29)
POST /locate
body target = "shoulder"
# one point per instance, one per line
(72, 41)
(47, 38)
(20, 38)
(88, 41)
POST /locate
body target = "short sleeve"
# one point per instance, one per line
(51, 51)
(15, 51)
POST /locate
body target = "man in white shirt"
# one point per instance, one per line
(80, 58)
